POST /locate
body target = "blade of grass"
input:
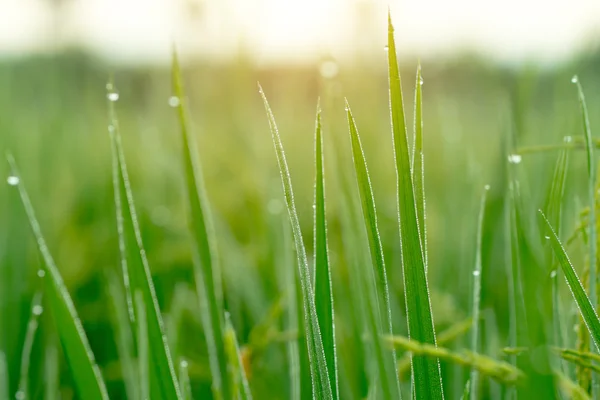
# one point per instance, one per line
(320, 375)
(581, 298)
(163, 381)
(240, 382)
(51, 372)
(388, 373)
(323, 290)
(83, 367)
(142, 341)
(417, 165)
(206, 269)
(184, 380)
(32, 327)
(426, 371)
(591, 165)
(474, 378)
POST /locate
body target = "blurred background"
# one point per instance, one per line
(497, 75)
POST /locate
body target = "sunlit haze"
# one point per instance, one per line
(297, 29)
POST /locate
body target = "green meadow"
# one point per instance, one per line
(366, 228)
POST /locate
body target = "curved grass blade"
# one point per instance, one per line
(320, 375)
(163, 381)
(240, 382)
(581, 298)
(474, 379)
(591, 164)
(32, 326)
(206, 269)
(417, 165)
(80, 358)
(388, 373)
(323, 290)
(426, 371)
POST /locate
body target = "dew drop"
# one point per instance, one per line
(329, 69)
(183, 364)
(41, 273)
(174, 101)
(421, 81)
(37, 310)
(386, 47)
(487, 187)
(12, 180)
(574, 79)
(476, 273)
(553, 274)
(514, 158)
(547, 237)
(112, 96)
(20, 395)
(568, 139)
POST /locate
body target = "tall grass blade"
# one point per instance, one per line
(591, 165)
(387, 366)
(206, 269)
(142, 341)
(83, 367)
(417, 165)
(581, 298)
(426, 371)
(323, 289)
(240, 382)
(320, 375)
(163, 381)
(51, 373)
(32, 327)
(474, 379)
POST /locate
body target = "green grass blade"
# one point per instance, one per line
(323, 290)
(184, 380)
(51, 372)
(417, 165)
(591, 164)
(388, 373)
(320, 375)
(83, 367)
(163, 381)
(581, 298)
(32, 327)
(142, 341)
(239, 379)
(466, 391)
(474, 379)
(426, 371)
(206, 269)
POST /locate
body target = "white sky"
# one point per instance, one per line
(145, 29)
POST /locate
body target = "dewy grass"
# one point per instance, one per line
(163, 381)
(323, 285)
(142, 342)
(417, 165)
(207, 272)
(83, 367)
(474, 379)
(426, 371)
(388, 373)
(320, 375)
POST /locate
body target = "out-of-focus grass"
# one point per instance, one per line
(54, 121)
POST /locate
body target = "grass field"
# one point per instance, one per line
(161, 229)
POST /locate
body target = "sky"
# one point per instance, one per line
(300, 29)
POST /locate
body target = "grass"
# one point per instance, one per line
(204, 287)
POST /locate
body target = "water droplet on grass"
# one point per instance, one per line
(386, 48)
(574, 79)
(183, 364)
(514, 158)
(41, 273)
(553, 274)
(20, 395)
(37, 310)
(568, 139)
(12, 180)
(174, 101)
(112, 96)
(476, 273)
(487, 187)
